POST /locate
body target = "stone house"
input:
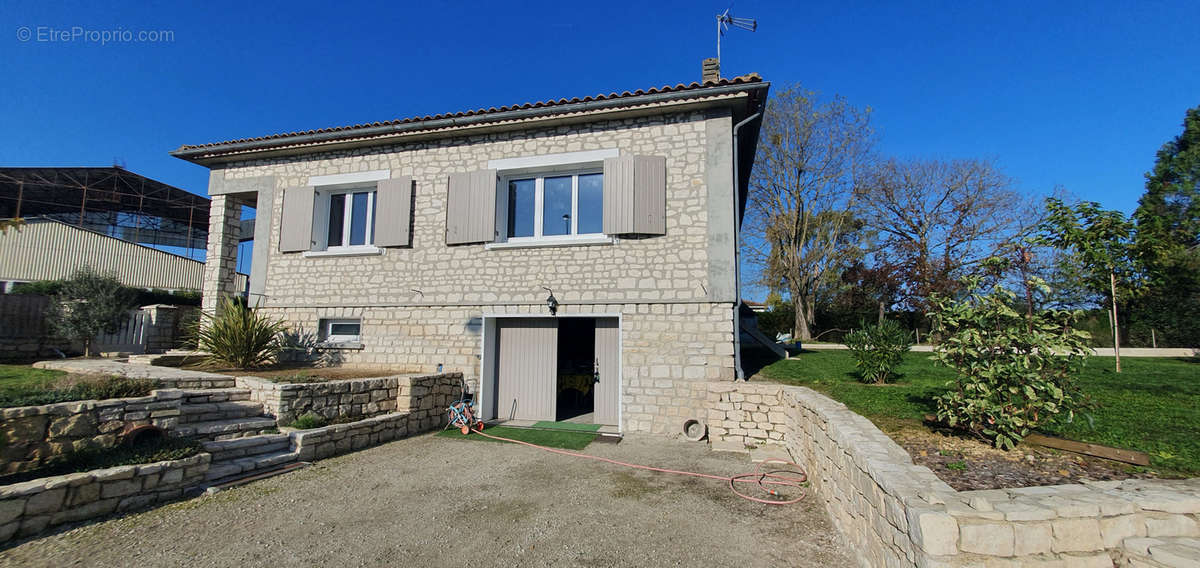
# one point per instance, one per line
(574, 259)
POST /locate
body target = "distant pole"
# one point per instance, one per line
(1153, 339)
(1112, 281)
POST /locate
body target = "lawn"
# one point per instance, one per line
(1153, 405)
(16, 379)
(23, 385)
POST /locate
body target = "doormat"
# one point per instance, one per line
(573, 426)
(567, 440)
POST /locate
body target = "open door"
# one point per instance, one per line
(608, 371)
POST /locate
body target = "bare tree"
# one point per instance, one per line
(799, 219)
(937, 217)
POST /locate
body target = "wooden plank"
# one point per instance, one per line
(1096, 450)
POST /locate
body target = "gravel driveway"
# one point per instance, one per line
(430, 501)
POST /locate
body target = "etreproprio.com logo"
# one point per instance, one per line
(82, 34)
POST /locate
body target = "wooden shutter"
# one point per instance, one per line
(296, 224)
(471, 207)
(635, 195)
(393, 212)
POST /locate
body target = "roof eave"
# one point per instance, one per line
(450, 126)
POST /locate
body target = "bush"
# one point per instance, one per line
(87, 304)
(1013, 375)
(77, 388)
(309, 420)
(239, 336)
(878, 349)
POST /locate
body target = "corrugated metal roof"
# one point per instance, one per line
(350, 130)
(43, 249)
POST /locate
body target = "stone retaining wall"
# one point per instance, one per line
(31, 507)
(353, 398)
(895, 513)
(168, 377)
(31, 435)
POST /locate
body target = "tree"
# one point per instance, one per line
(87, 304)
(936, 218)
(805, 183)
(1167, 239)
(1098, 242)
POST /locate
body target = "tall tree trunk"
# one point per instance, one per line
(880, 311)
(1112, 282)
(801, 325)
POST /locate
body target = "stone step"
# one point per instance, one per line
(209, 411)
(225, 429)
(215, 395)
(1169, 551)
(225, 450)
(245, 466)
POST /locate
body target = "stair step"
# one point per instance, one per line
(215, 395)
(250, 446)
(226, 429)
(210, 411)
(248, 465)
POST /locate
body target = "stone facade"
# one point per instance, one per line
(31, 507)
(420, 306)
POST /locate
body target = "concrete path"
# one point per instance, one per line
(167, 376)
(436, 501)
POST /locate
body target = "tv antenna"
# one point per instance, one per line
(725, 20)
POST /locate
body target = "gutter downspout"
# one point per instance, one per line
(739, 374)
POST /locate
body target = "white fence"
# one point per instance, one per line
(130, 338)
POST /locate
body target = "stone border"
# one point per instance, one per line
(168, 377)
(31, 507)
(896, 513)
(349, 398)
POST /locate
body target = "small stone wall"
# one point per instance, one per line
(31, 507)
(895, 513)
(32, 435)
(168, 377)
(352, 398)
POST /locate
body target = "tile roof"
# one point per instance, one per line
(744, 79)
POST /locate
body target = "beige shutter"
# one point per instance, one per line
(296, 224)
(393, 212)
(635, 195)
(471, 207)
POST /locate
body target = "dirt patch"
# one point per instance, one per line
(434, 501)
(967, 464)
(299, 374)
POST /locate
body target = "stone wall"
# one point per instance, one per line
(895, 513)
(353, 398)
(33, 506)
(34, 434)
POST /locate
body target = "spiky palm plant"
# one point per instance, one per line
(239, 336)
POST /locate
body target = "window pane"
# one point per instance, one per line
(556, 206)
(337, 216)
(343, 329)
(520, 208)
(358, 219)
(591, 203)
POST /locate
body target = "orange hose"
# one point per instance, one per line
(763, 478)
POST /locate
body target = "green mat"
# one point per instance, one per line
(566, 440)
(573, 426)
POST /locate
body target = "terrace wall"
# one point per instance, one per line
(354, 398)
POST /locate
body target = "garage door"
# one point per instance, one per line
(526, 368)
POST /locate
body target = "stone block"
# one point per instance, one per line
(49, 501)
(1076, 535)
(934, 532)
(33, 525)
(1114, 530)
(1161, 524)
(992, 539)
(120, 488)
(1031, 538)
(11, 509)
(135, 502)
(84, 494)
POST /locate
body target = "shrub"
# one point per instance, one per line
(309, 420)
(1013, 374)
(78, 388)
(878, 349)
(89, 303)
(97, 458)
(239, 336)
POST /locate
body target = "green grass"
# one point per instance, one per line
(577, 427)
(23, 385)
(19, 378)
(564, 439)
(1153, 405)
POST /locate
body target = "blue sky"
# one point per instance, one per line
(1077, 94)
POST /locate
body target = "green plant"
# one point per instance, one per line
(97, 458)
(309, 420)
(87, 304)
(75, 387)
(957, 466)
(1012, 375)
(878, 349)
(239, 336)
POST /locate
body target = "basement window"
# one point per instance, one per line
(341, 330)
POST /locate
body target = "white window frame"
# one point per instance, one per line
(321, 221)
(328, 335)
(539, 206)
